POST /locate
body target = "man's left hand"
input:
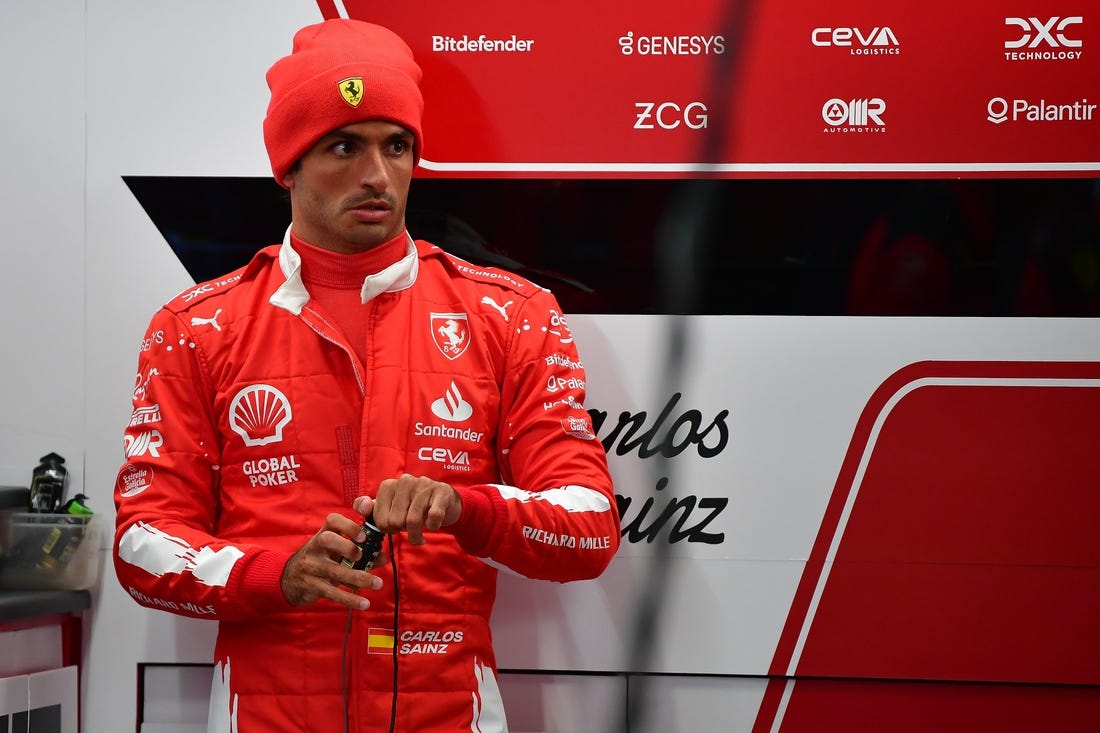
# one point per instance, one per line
(413, 504)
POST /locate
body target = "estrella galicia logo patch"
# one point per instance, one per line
(133, 480)
(578, 427)
(451, 333)
(351, 89)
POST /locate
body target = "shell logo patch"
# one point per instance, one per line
(259, 413)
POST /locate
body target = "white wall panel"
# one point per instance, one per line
(30, 650)
(42, 201)
(173, 89)
(176, 696)
(55, 687)
(693, 704)
(559, 703)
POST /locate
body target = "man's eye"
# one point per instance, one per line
(399, 146)
(342, 148)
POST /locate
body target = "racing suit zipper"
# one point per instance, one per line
(332, 340)
(392, 548)
(347, 447)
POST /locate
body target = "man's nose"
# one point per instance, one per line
(374, 173)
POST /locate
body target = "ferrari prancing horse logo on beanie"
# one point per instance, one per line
(351, 89)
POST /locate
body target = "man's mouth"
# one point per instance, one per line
(371, 211)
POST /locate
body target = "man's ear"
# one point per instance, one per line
(288, 179)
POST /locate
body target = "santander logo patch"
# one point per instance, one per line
(451, 407)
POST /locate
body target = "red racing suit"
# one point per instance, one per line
(254, 418)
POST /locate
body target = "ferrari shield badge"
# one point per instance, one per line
(351, 89)
(451, 333)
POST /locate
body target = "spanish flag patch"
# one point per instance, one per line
(379, 641)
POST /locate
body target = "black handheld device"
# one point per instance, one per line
(371, 547)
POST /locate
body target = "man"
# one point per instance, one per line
(352, 373)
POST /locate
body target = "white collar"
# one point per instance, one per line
(293, 296)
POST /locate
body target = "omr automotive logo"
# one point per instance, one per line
(1052, 39)
(1000, 110)
(876, 41)
(854, 116)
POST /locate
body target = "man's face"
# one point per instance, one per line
(348, 192)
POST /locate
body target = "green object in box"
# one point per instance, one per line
(77, 506)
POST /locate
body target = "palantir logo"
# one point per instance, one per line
(997, 109)
(451, 407)
(1041, 111)
(259, 413)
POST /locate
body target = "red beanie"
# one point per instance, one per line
(339, 72)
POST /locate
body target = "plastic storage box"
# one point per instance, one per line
(49, 551)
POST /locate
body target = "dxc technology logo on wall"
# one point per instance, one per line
(1052, 39)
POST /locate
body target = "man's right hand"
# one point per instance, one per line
(315, 572)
